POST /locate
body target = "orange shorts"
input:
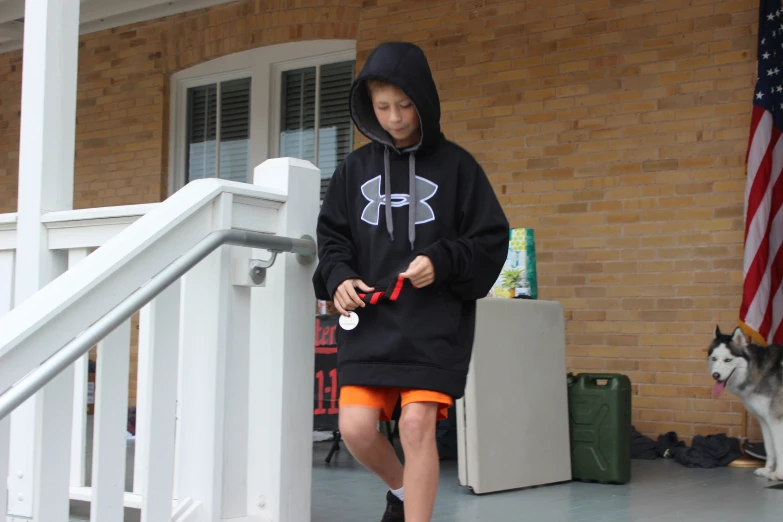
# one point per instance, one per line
(385, 399)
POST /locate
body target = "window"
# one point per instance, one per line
(317, 98)
(218, 131)
(230, 114)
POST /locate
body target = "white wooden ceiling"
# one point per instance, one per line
(96, 15)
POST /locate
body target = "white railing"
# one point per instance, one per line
(224, 373)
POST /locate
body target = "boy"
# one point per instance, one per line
(410, 235)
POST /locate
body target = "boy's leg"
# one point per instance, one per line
(360, 409)
(420, 411)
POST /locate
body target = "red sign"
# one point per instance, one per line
(326, 389)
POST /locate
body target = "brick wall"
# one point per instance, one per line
(10, 107)
(615, 128)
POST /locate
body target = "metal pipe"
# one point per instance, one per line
(35, 380)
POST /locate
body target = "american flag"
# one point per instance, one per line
(762, 297)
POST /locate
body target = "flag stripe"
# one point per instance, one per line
(757, 191)
(776, 333)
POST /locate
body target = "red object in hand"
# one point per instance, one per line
(391, 293)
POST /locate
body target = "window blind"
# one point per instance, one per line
(297, 138)
(305, 108)
(335, 129)
(232, 131)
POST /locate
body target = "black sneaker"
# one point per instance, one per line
(394, 510)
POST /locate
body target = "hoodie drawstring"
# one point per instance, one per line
(387, 182)
(411, 200)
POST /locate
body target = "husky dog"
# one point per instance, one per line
(755, 375)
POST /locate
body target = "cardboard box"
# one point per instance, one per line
(518, 277)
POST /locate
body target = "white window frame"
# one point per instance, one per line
(264, 66)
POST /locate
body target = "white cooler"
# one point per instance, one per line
(512, 424)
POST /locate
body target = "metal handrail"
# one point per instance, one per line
(304, 247)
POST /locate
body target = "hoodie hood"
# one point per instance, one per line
(404, 65)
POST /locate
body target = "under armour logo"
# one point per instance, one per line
(425, 189)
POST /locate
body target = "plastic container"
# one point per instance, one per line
(599, 408)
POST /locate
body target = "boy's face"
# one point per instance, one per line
(397, 115)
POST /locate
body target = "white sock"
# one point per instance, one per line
(399, 493)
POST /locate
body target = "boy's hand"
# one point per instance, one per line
(420, 272)
(346, 299)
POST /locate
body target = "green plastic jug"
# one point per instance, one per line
(599, 407)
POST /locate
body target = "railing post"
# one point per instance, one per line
(79, 429)
(282, 360)
(156, 403)
(111, 423)
(53, 418)
(205, 318)
(236, 402)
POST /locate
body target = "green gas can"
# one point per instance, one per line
(599, 407)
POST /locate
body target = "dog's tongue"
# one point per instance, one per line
(717, 390)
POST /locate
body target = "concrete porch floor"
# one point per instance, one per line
(659, 491)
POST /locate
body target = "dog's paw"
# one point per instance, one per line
(762, 472)
(776, 475)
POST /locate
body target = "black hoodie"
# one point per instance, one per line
(422, 339)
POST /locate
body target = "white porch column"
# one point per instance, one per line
(46, 163)
(282, 361)
(6, 303)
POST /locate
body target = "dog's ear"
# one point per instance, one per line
(717, 331)
(739, 339)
